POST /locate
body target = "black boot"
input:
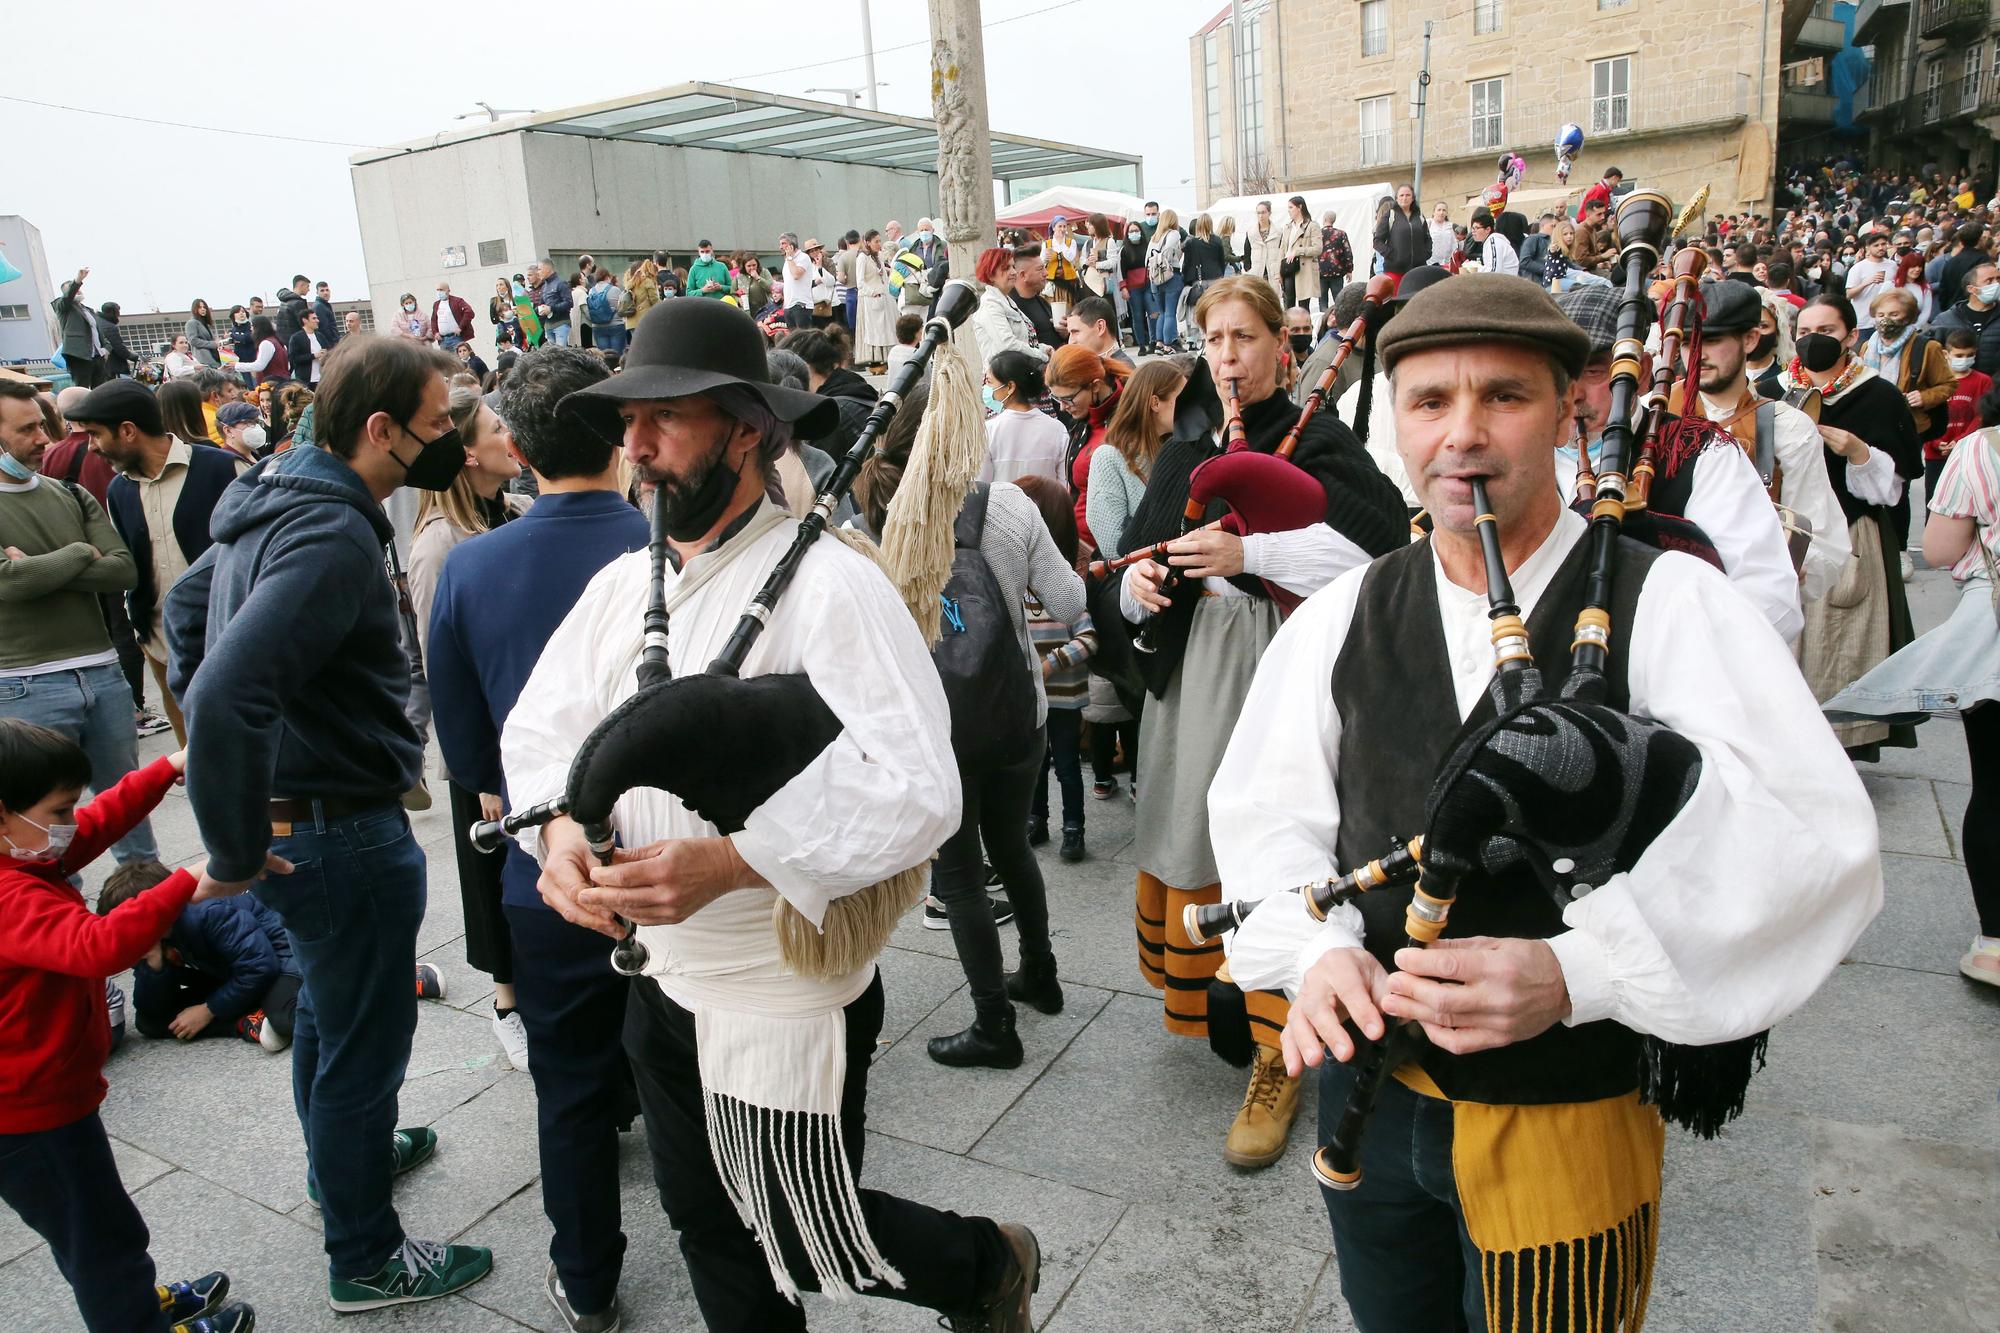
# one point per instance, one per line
(1038, 832)
(990, 1042)
(1035, 984)
(1072, 844)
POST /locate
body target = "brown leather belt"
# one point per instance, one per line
(299, 810)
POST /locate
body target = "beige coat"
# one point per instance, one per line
(1266, 252)
(1302, 244)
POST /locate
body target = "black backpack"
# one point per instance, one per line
(978, 656)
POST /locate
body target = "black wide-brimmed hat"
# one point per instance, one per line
(689, 345)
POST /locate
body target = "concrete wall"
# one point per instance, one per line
(610, 194)
(33, 338)
(413, 206)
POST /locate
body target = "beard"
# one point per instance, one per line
(677, 495)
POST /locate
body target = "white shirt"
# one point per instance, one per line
(447, 323)
(1727, 500)
(1381, 441)
(882, 797)
(1728, 922)
(798, 289)
(1497, 255)
(312, 339)
(1019, 444)
(1804, 489)
(1864, 284)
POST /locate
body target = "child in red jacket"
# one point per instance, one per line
(56, 1168)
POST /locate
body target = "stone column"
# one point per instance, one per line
(965, 148)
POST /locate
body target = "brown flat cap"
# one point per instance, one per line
(1475, 307)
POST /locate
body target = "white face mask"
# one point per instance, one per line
(1961, 364)
(254, 438)
(58, 840)
(1990, 292)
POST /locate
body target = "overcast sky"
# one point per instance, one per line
(163, 214)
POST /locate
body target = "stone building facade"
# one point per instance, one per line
(1677, 93)
(1933, 96)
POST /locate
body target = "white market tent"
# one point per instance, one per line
(1074, 202)
(1353, 210)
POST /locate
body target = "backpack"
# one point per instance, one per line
(978, 657)
(598, 306)
(628, 304)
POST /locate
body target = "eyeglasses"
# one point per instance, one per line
(1062, 399)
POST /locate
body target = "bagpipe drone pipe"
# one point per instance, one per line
(722, 743)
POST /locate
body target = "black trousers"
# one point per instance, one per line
(995, 816)
(85, 374)
(64, 1184)
(486, 944)
(1981, 838)
(574, 1009)
(948, 1262)
(158, 998)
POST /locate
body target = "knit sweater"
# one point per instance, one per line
(55, 955)
(48, 599)
(1024, 559)
(1112, 499)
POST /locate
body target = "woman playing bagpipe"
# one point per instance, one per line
(1509, 1176)
(1212, 607)
(777, 813)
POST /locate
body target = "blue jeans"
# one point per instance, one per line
(64, 1184)
(1065, 756)
(557, 332)
(1167, 296)
(352, 905)
(1139, 304)
(449, 341)
(93, 707)
(612, 337)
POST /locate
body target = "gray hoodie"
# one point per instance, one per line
(285, 655)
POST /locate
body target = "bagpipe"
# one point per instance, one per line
(1563, 785)
(669, 735)
(1264, 492)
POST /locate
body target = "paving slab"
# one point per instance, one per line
(466, 989)
(1890, 1047)
(1164, 1268)
(1904, 1225)
(913, 1097)
(1906, 811)
(486, 1155)
(1129, 1112)
(913, 984)
(136, 1170)
(1926, 919)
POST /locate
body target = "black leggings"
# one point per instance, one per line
(995, 813)
(1104, 737)
(1981, 836)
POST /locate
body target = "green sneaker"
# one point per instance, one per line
(412, 1148)
(421, 1270)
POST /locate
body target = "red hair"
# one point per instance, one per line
(992, 263)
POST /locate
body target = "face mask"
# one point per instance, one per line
(1135, 234)
(993, 404)
(1814, 273)
(14, 467)
(254, 438)
(1760, 347)
(1302, 343)
(1889, 328)
(925, 236)
(1960, 364)
(706, 256)
(1818, 352)
(692, 507)
(409, 305)
(59, 836)
(441, 296)
(1990, 292)
(438, 461)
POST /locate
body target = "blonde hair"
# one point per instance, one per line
(1228, 226)
(1248, 288)
(1563, 237)
(459, 503)
(1901, 295)
(1203, 225)
(1169, 220)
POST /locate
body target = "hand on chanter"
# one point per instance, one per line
(566, 866)
(1475, 994)
(666, 882)
(1207, 553)
(1343, 984)
(1144, 580)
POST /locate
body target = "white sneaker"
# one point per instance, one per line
(513, 1039)
(1909, 567)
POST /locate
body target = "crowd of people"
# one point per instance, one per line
(1296, 685)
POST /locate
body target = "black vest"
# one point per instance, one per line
(1399, 718)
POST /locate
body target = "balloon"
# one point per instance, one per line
(1569, 142)
(1494, 197)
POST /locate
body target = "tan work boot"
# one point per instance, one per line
(1257, 1138)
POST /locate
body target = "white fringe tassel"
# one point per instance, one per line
(808, 1152)
(944, 462)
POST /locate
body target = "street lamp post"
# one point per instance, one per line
(1423, 107)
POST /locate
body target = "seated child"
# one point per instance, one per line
(224, 967)
(56, 1169)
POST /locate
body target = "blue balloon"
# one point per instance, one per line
(1569, 139)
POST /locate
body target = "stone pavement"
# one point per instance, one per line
(1861, 1191)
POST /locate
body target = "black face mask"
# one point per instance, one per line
(1818, 352)
(691, 507)
(438, 461)
(1760, 347)
(1302, 344)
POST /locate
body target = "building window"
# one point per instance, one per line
(1253, 95)
(1488, 102)
(1374, 27)
(1374, 131)
(1485, 16)
(1211, 67)
(1613, 4)
(1611, 95)
(13, 312)
(1933, 90)
(1968, 88)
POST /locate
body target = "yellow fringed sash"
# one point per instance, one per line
(1558, 1199)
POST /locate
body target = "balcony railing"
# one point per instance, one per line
(1531, 127)
(1805, 106)
(1945, 18)
(1951, 102)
